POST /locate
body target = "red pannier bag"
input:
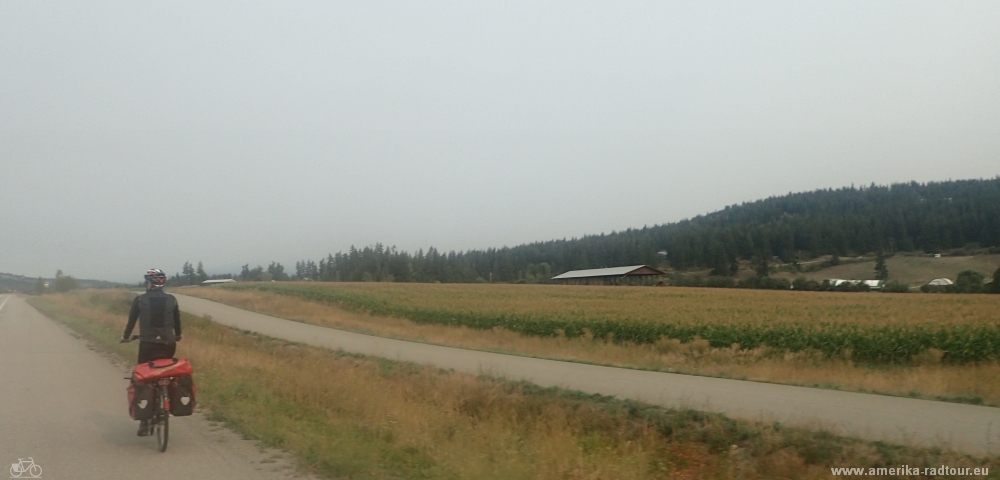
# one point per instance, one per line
(168, 367)
(141, 399)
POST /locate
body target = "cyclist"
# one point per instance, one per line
(159, 324)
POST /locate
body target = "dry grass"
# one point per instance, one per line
(358, 417)
(927, 377)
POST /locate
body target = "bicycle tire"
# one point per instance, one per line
(35, 471)
(163, 424)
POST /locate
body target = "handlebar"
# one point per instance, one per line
(136, 337)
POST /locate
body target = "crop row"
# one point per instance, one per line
(878, 344)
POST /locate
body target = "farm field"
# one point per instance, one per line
(349, 416)
(931, 346)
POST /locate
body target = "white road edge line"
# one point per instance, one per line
(4, 302)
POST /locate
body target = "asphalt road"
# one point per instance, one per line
(64, 406)
(968, 428)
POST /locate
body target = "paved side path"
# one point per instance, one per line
(968, 428)
(64, 406)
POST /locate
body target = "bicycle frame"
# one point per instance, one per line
(162, 385)
(160, 423)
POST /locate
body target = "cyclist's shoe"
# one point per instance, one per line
(143, 428)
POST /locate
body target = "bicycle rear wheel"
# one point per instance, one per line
(162, 426)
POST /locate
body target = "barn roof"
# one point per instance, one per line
(609, 272)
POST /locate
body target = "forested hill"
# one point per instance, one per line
(901, 217)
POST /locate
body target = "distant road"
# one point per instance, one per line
(64, 406)
(968, 428)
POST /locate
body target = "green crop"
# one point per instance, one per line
(865, 341)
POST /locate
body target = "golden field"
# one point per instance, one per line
(665, 305)
(926, 374)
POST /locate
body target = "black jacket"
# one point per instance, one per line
(158, 315)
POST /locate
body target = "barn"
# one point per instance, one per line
(608, 276)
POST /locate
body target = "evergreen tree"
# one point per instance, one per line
(763, 269)
(200, 272)
(64, 283)
(277, 272)
(300, 271)
(40, 285)
(245, 273)
(969, 281)
(188, 273)
(881, 269)
(256, 274)
(312, 270)
(720, 263)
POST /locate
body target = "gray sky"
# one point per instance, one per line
(142, 134)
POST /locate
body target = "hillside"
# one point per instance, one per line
(907, 217)
(18, 283)
(908, 269)
(21, 283)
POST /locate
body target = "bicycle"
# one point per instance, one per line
(159, 423)
(25, 466)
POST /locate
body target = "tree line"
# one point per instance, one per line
(62, 283)
(931, 217)
(191, 275)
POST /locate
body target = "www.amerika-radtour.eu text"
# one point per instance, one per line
(943, 470)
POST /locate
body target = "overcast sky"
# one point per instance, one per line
(146, 134)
